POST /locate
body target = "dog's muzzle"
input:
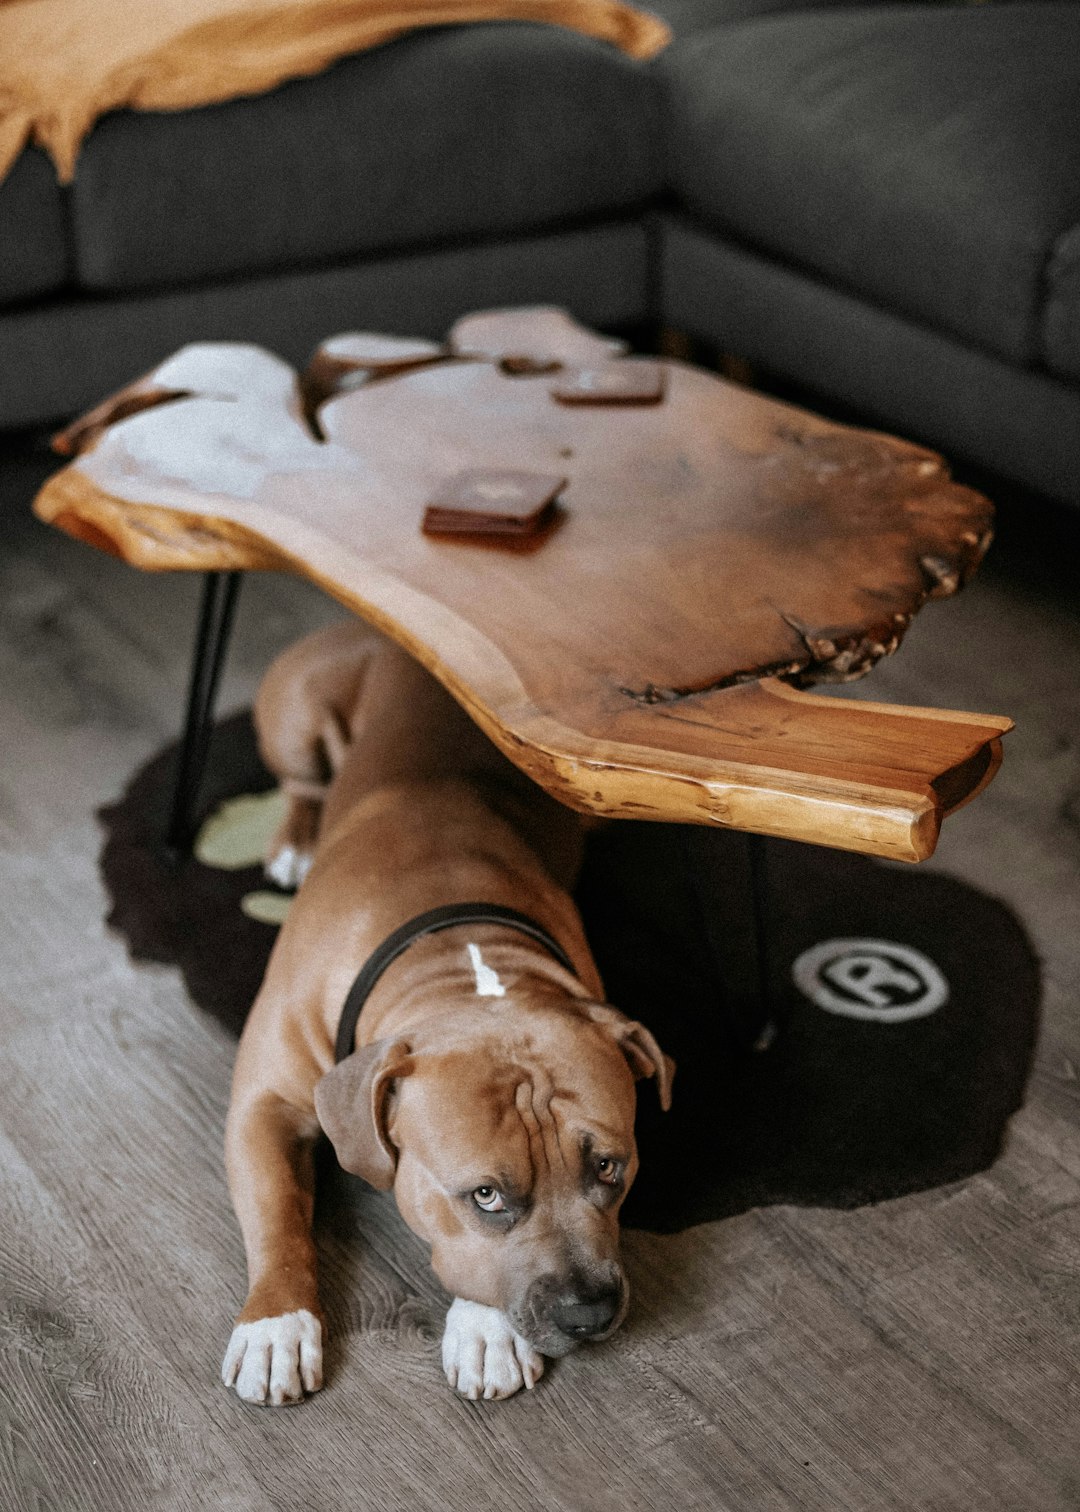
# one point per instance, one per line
(559, 1312)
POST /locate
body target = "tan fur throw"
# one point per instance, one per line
(63, 63)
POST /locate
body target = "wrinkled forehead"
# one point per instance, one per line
(468, 1104)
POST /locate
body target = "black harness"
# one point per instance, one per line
(424, 924)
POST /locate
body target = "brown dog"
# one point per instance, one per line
(490, 1085)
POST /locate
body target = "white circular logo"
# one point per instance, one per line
(877, 980)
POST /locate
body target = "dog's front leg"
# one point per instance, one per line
(482, 1355)
(275, 1352)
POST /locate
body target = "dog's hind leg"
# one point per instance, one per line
(304, 711)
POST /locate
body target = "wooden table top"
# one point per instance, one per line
(712, 553)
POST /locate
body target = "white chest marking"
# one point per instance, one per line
(487, 980)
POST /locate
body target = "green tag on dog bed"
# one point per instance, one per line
(238, 832)
(267, 907)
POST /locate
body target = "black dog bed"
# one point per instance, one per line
(907, 1002)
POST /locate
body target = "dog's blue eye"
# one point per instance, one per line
(488, 1198)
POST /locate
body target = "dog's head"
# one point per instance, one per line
(510, 1154)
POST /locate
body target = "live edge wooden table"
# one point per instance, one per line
(646, 653)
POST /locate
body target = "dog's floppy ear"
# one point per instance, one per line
(638, 1045)
(351, 1101)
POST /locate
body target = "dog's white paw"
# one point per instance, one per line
(288, 867)
(483, 1356)
(275, 1360)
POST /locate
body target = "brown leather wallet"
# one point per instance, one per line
(491, 503)
(627, 380)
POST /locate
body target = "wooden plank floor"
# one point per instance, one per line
(922, 1353)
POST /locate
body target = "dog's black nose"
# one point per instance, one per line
(584, 1318)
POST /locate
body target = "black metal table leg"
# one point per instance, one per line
(730, 879)
(211, 641)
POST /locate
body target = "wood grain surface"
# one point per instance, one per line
(916, 1356)
(710, 544)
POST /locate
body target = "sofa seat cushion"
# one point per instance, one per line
(453, 133)
(921, 156)
(34, 236)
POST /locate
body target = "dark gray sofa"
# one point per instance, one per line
(879, 203)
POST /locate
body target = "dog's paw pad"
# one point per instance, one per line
(275, 1360)
(288, 866)
(484, 1359)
